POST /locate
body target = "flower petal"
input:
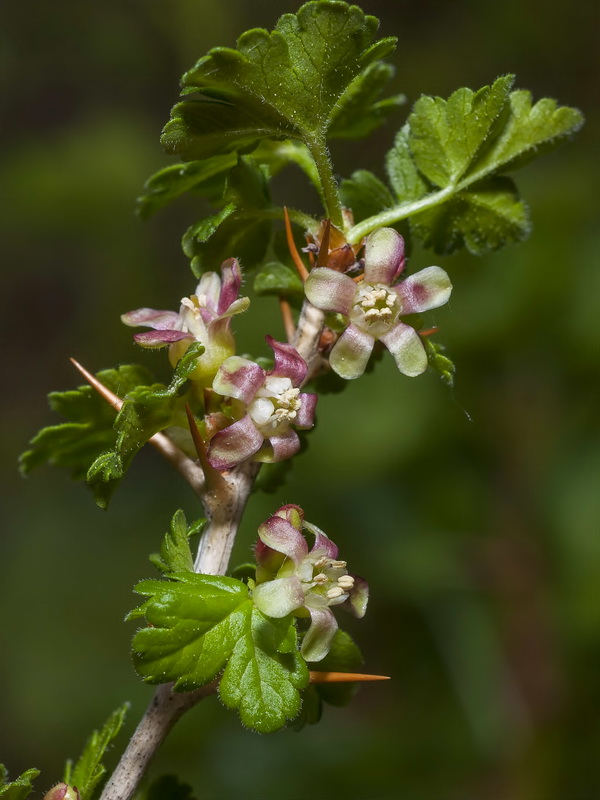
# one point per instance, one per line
(279, 534)
(208, 292)
(288, 361)
(282, 446)
(318, 638)
(322, 542)
(160, 338)
(384, 256)
(429, 288)
(405, 345)
(234, 444)
(356, 604)
(351, 352)
(305, 417)
(279, 597)
(230, 287)
(152, 318)
(240, 378)
(330, 290)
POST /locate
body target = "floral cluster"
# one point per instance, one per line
(291, 579)
(260, 409)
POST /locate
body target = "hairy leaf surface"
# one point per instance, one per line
(20, 788)
(201, 624)
(75, 444)
(284, 84)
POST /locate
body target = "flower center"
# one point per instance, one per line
(376, 308)
(330, 581)
(275, 406)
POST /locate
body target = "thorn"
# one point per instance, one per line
(102, 390)
(288, 320)
(344, 677)
(176, 457)
(324, 246)
(214, 479)
(302, 271)
(428, 332)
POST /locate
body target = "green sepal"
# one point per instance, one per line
(344, 656)
(75, 444)
(18, 789)
(146, 410)
(200, 624)
(267, 87)
(438, 362)
(175, 553)
(360, 111)
(89, 769)
(277, 279)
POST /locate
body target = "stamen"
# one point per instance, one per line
(338, 564)
(346, 582)
(335, 592)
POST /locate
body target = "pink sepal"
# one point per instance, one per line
(234, 444)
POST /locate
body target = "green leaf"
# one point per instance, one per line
(484, 217)
(464, 146)
(264, 673)
(89, 769)
(18, 789)
(145, 411)
(365, 194)
(404, 177)
(529, 131)
(278, 279)
(203, 623)
(359, 111)
(75, 444)
(284, 84)
(446, 136)
(175, 553)
(242, 228)
(173, 181)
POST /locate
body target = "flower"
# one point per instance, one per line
(374, 306)
(272, 401)
(290, 578)
(204, 317)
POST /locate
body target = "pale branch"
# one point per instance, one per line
(224, 505)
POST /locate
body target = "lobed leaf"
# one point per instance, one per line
(146, 410)
(75, 444)
(18, 789)
(175, 553)
(486, 216)
(89, 769)
(284, 84)
(447, 167)
(200, 624)
(279, 280)
(365, 194)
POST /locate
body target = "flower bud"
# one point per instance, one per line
(62, 791)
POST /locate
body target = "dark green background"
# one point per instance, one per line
(473, 513)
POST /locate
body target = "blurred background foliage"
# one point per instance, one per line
(473, 512)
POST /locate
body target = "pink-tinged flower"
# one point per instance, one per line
(204, 317)
(272, 401)
(290, 578)
(374, 306)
